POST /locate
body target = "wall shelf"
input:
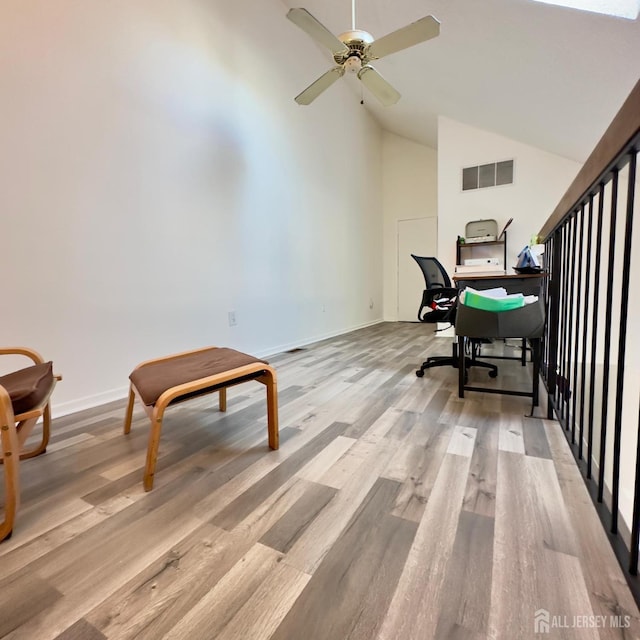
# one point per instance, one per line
(465, 250)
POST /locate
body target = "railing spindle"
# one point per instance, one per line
(585, 296)
(571, 378)
(622, 343)
(607, 333)
(577, 342)
(594, 328)
(635, 529)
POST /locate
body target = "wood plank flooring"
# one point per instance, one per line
(394, 510)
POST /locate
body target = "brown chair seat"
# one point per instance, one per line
(154, 379)
(28, 387)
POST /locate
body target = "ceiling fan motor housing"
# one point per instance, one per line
(358, 42)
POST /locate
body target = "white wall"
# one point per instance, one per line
(156, 173)
(409, 191)
(540, 180)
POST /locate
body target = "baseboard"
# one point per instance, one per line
(306, 341)
(89, 402)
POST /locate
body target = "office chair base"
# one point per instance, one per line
(454, 361)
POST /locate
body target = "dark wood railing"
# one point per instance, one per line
(594, 267)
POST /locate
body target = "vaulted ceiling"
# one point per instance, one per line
(544, 75)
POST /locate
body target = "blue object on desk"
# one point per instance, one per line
(527, 262)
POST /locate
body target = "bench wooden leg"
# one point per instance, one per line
(270, 382)
(129, 416)
(222, 399)
(152, 449)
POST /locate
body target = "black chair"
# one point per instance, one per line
(439, 301)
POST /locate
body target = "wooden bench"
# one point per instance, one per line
(164, 381)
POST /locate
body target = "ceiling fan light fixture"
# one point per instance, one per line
(353, 64)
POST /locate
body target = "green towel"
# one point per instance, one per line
(477, 301)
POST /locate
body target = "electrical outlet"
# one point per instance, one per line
(232, 319)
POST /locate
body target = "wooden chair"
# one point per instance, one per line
(24, 399)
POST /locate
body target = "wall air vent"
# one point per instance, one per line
(487, 175)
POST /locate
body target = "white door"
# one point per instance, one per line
(418, 236)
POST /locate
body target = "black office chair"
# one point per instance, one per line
(439, 301)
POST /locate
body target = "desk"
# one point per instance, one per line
(529, 284)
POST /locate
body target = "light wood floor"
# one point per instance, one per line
(393, 510)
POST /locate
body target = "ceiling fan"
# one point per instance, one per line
(354, 50)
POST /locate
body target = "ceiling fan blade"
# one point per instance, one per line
(419, 31)
(320, 85)
(380, 88)
(303, 19)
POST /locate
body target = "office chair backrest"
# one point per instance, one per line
(433, 272)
